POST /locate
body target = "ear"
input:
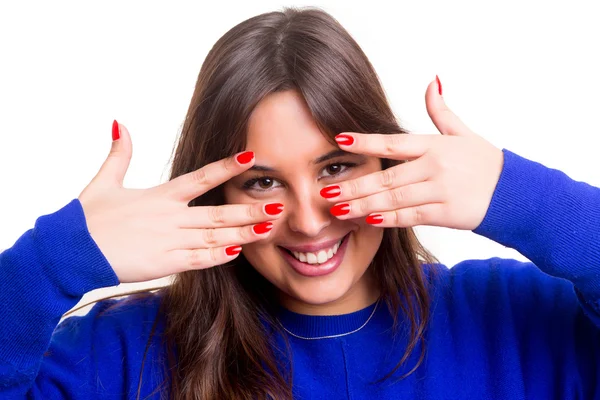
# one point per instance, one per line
(443, 118)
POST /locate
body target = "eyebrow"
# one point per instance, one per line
(318, 160)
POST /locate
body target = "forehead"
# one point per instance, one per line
(281, 126)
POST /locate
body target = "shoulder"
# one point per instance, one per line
(103, 351)
(490, 272)
(135, 312)
(497, 281)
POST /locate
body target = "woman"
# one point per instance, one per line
(298, 273)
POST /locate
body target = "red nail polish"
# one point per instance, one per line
(340, 209)
(344, 140)
(274, 208)
(233, 250)
(439, 85)
(245, 157)
(115, 131)
(263, 227)
(374, 219)
(330, 192)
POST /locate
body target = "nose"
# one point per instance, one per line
(310, 212)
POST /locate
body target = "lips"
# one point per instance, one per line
(317, 257)
(321, 260)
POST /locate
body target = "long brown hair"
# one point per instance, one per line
(219, 321)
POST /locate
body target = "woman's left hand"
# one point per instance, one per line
(448, 181)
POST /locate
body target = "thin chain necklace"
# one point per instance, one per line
(332, 336)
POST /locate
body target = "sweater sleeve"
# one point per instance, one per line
(552, 220)
(43, 275)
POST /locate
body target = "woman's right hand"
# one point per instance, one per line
(152, 233)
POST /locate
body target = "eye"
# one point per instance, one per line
(336, 169)
(263, 183)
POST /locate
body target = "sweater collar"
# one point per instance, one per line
(310, 326)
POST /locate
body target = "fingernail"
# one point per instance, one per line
(439, 84)
(274, 208)
(340, 209)
(263, 227)
(245, 157)
(344, 140)
(233, 250)
(374, 219)
(115, 131)
(330, 192)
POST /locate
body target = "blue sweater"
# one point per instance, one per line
(500, 329)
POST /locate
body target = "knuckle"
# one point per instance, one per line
(200, 177)
(216, 215)
(387, 177)
(419, 215)
(391, 143)
(229, 164)
(253, 211)
(396, 197)
(209, 237)
(397, 217)
(362, 205)
(245, 234)
(439, 163)
(213, 255)
(194, 258)
(353, 188)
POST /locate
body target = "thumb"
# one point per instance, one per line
(443, 118)
(116, 164)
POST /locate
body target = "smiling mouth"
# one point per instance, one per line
(317, 257)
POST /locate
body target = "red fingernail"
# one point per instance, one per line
(245, 157)
(340, 209)
(439, 84)
(274, 208)
(233, 250)
(263, 227)
(374, 219)
(344, 140)
(330, 192)
(115, 131)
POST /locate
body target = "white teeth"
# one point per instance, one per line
(322, 257)
(317, 258)
(311, 258)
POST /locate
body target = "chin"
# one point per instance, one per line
(322, 292)
(332, 283)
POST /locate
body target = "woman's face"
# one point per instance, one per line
(294, 162)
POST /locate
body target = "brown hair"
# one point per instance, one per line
(219, 321)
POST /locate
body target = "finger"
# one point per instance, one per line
(443, 118)
(229, 215)
(115, 166)
(390, 200)
(393, 177)
(431, 214)
(203, 258)
(399, 146)
(193, 184)
(218, 237)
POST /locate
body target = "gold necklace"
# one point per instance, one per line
(331, 336)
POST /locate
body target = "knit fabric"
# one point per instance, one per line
(499, 328)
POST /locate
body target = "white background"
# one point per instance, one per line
(522, 74)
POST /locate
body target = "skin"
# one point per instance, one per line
(152, 233)
(282, 121)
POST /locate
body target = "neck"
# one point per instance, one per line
(362, 294)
